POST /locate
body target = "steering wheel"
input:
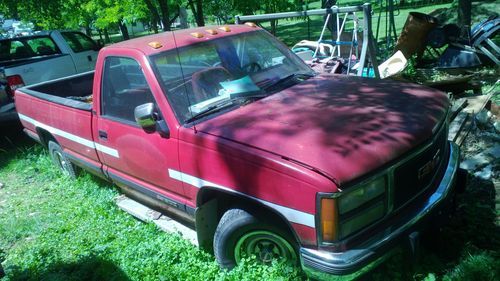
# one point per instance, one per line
(252, 67)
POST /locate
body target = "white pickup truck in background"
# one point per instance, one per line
(41, 57)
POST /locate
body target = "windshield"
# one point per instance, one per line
(213, 73)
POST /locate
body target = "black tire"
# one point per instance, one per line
(237, 226)
(61, 161)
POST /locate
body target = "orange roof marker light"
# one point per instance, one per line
(251, 24)
(155, 44)
(197, 34)
(211, 31)
(225, 28)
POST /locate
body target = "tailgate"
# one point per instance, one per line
(53, 67)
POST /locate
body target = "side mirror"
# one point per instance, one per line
(147, 118)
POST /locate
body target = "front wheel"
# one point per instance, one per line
(240, 234)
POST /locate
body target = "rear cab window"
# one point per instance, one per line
(27, 47)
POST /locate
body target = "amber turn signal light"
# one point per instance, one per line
(329, 230)
(225, 28)
(155, 45)
(211, 31)
(197, 34)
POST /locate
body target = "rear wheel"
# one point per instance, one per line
(240, 234)
(60, 160)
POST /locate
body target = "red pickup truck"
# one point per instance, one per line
(227, 128)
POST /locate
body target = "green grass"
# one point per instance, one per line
(53, 228)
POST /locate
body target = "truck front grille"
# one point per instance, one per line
(412, 177)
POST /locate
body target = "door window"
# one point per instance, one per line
(124, 87)
(79, 42)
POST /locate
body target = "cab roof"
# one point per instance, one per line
(183, 37)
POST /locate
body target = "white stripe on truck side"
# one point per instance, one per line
(292, 215)
(66, 135)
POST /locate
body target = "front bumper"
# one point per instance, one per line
(320, 264)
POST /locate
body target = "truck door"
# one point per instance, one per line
(84, 50)
(138, 159)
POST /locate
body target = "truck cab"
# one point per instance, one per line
(39, 57)
(227, 128)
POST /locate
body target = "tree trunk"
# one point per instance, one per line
(124, 30)
(172, 20)
(274, 24)
(197, 11)
(164, 14)
(155, 17)
(200, 21)
(106, 36)
(464, 12)
(88, 30)
(154, 25)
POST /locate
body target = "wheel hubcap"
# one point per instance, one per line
(266, 246)
(61, 162)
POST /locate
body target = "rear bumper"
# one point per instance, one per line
(8, 112)
(320, 264)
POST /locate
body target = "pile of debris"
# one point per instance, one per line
(481, 150)
(481, 153)
(444, 57)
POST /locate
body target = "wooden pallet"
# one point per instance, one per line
(163, 222)
(462, 116)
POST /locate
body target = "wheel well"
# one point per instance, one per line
(213, 203)
(45, 136)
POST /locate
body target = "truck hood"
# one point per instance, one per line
(343, 126)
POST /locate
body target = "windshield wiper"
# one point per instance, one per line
(211, 109)
(284, 80)
(249, 95)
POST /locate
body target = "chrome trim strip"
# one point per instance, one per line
(390, 191)
(88, 143)
(292, 215)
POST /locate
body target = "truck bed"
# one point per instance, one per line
(73, 91)
(53, 107)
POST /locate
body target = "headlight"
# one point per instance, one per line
(352, 210)
(361, 194)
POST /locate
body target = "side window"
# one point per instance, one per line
(123, 88)
(79, 42)
(43, 46)
(14, 45)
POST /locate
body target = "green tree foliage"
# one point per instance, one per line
(102, 15)
(267, 6)
(221, 10)
(44, 13)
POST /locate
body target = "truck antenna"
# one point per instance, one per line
(184, 78)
